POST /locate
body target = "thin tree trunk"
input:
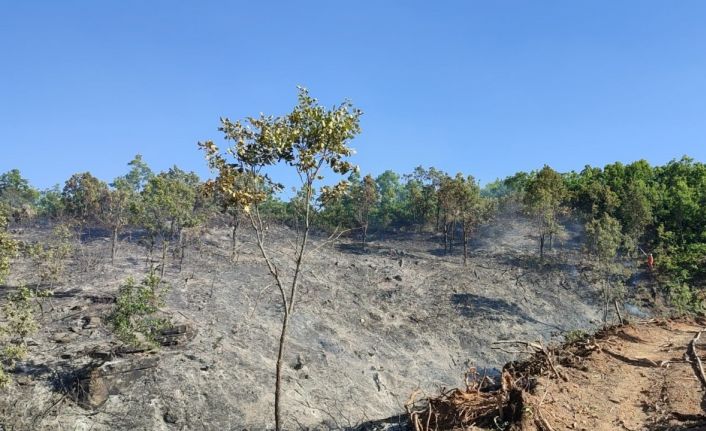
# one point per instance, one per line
(182, 248)
(114, 245)
(278, 375)
(446, 237)
(234, 237)
(164, 258)
(617, 311)
(465, 245)
(541, 247)
(365, 234)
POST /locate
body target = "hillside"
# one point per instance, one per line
(373, 325)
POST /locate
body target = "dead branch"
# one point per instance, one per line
(695, 354)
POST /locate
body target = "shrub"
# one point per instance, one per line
(134, 318)
(19, 323)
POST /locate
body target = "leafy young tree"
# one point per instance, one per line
(544, 196)
(50, 204)
(364, 197)
(309, 139)
(472, 207)
(166, 207)
(421, 197)
(447, 198)
(82, 197)
(390, 191)
(8, 247)
(603, 238)
(139, 174)
(116, 210)
(17, 194)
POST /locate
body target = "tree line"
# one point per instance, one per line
(650, 209)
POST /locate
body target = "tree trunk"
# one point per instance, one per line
(234, 237)
(617, 311)
(164, 258)
(541, 247)
(114, 245)
(365, 234)
(182, 248)
(446, 237)
(465, 245)
(278, 375)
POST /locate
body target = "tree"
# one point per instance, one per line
(447, 197)
(544, 196)
(390, 192)
(8, 247)
(471, 205)
(139, 174)
(118, 203)
(82, 197)
(364, 197)
(421, 197)
(116, 210)
(17, 195)
(309, 139)
(166, 207)
(603, 238)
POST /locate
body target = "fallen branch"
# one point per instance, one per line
(695, 354)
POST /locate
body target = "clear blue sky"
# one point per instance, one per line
(487, 88)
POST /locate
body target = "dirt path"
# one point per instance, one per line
(641, 378)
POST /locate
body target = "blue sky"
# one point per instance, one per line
(486, 88)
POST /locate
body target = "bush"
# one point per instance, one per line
(134, 317)
(19, 323)
(8, 247)
(683, 298)
(49, 257)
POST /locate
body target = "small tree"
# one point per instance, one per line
(116, 210)
(603, 238)
(447, 198)
(544, 196)
(364, 196)
(17, 194)
(471, 207)
(309, 139)
(82, 198)
(166, 207)
(8, 247)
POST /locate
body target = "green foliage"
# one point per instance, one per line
(544, 200)
(575, 336)
(603, 237)
(82, 197)
(17, 195)
(364, 199)
(19, 322)
(133, 317)
(49, 257)
(167, 202)
(683, 299)
(50, 204)
(15, 190)
(8, 247)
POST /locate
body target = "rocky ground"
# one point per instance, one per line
(372, 325)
